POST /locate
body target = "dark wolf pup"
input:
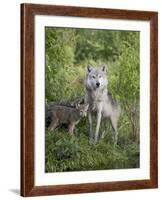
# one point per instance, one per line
(69, 115)
(100, 102)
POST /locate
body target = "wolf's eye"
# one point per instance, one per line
(100, 76)
(93, 76)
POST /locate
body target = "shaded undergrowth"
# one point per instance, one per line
(74, 153)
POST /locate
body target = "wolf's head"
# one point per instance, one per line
(82, 108)
(96, 78)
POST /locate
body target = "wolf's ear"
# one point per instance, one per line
(103, 67)
(89, 68)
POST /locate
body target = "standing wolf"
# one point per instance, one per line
(100, 102)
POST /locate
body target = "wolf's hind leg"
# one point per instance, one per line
(102, 129)
(114, 122)
(98, 126)
(103, 134)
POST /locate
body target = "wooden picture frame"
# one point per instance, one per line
(28, 12)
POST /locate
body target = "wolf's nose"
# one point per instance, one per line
(97, 84)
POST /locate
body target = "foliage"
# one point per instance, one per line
(68, 51)
(73, 153)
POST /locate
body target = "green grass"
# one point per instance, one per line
(74, 153)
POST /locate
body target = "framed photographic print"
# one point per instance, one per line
(88, 99)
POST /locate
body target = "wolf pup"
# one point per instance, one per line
(100, 102)
(71, 116)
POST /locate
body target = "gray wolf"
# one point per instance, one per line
(100, 102)
(69, 115)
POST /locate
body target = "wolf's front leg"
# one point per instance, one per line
(53, 125)
(71, 128)
(98, 126)
(90, 127)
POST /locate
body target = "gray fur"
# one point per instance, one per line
(71, 116)
(100, 102)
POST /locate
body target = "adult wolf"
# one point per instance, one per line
(100, 102)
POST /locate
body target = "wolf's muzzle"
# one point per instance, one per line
(97, 84)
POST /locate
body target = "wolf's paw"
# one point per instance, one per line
(95, 141)
(91, 141)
